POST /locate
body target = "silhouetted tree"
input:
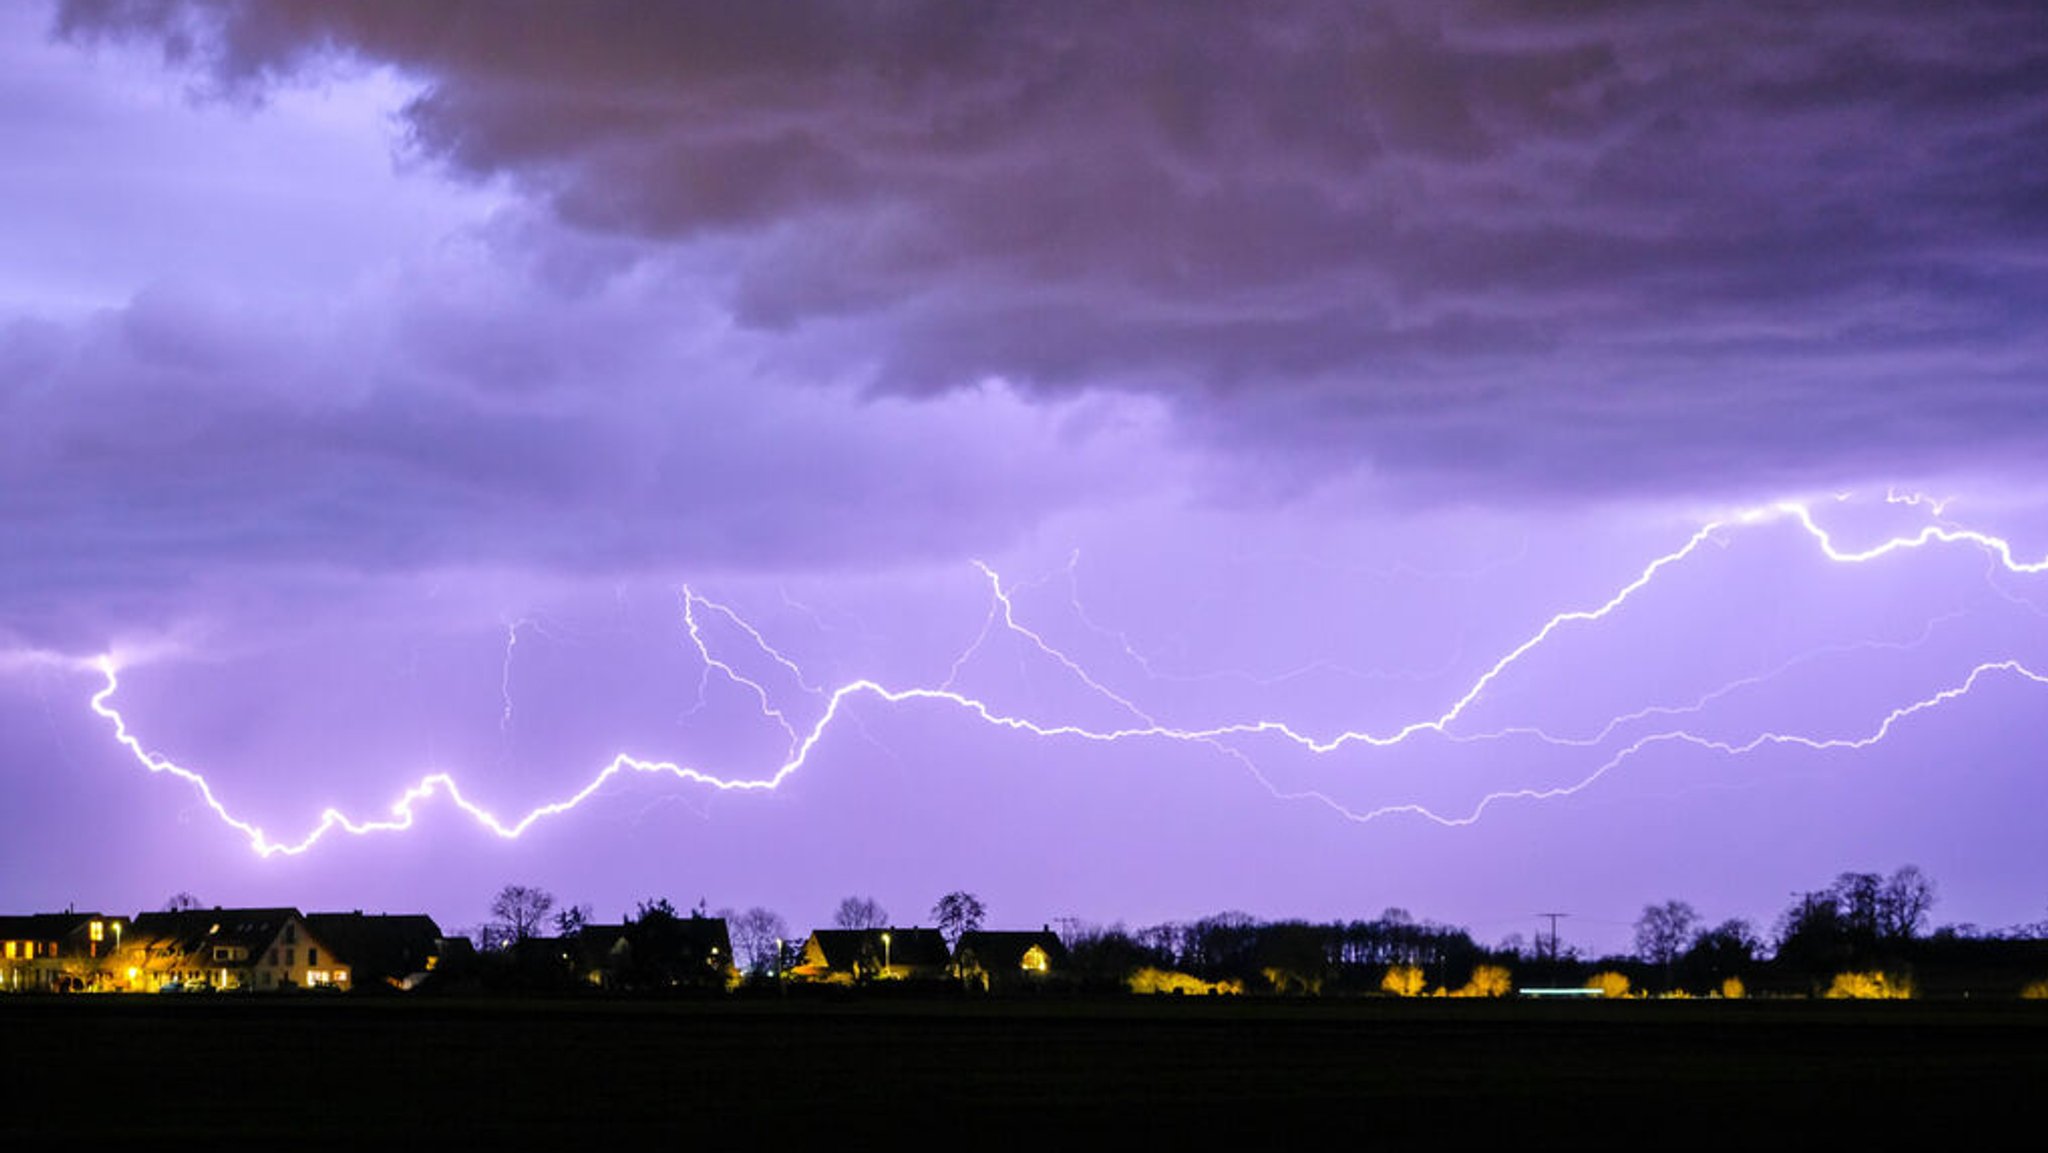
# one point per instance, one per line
(1905, 903)
(571, 920)
(1728, 950)
(860, 913)
(1858, 923)
(180, 901)
(1662, 932)
(957, 913)
(521, 909)
(1104, 959)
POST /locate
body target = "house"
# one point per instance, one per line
(852, 956)
(260, 949)
(1002, 961)
(59, 952)
(656, 952)
(381, 950)
(662, 951)
(603, 955)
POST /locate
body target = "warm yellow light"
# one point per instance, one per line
(1610, 983)
(1873, 986)
(1404, 980)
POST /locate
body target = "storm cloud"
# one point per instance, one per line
(1601, 248)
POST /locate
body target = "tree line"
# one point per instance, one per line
(1864, 926)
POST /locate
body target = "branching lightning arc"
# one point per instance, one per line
(1230, 738)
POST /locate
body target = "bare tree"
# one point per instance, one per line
(957, 913)
(1663, 931)
(755, 934)
(522, 909)
(181, 901)
(1904, 903)
(860, 913)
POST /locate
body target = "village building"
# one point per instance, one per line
(383, 950)
(997, 961)
(227, 949)
(58, 952)
(856, 956)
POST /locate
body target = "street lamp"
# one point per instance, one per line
(885, 952)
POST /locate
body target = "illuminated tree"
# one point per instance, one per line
(957, 913)
(1871, 986)
(521, 910)
(860, 913)
(1403, 980)
(1487, 981)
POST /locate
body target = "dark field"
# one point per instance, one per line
(1543, 1074)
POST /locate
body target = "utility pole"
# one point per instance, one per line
(1553, 931)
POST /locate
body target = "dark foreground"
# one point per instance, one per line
(1542, 1074)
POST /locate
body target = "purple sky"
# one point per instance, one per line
(390, 388)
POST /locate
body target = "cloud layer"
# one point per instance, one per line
(1604, 248)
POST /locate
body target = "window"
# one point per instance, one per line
(312, 955)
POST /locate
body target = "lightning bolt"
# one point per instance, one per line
(1225, 738)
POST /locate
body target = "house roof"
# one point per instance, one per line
(378, 946)
(49, 926)
(194, 932)
(844, 948)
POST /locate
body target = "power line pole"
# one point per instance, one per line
(1554, 917)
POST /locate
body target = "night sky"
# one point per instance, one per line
(1129, 461)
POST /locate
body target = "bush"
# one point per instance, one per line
(1871, 986)
(1403, 980)
(1612, 985)
(1487, 981)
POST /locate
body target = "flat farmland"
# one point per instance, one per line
(351, 1071)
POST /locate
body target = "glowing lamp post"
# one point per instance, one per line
(885, 953)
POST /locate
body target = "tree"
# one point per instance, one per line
(1719, 955)
(957, 913)
(755, 934)
(1662, 932)
(571, 920)
(860, 913)
(521, 910)
(180, 902)
(1904, 903)
(653, 909)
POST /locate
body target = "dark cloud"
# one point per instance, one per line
(155, 447)
(1717, 228)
